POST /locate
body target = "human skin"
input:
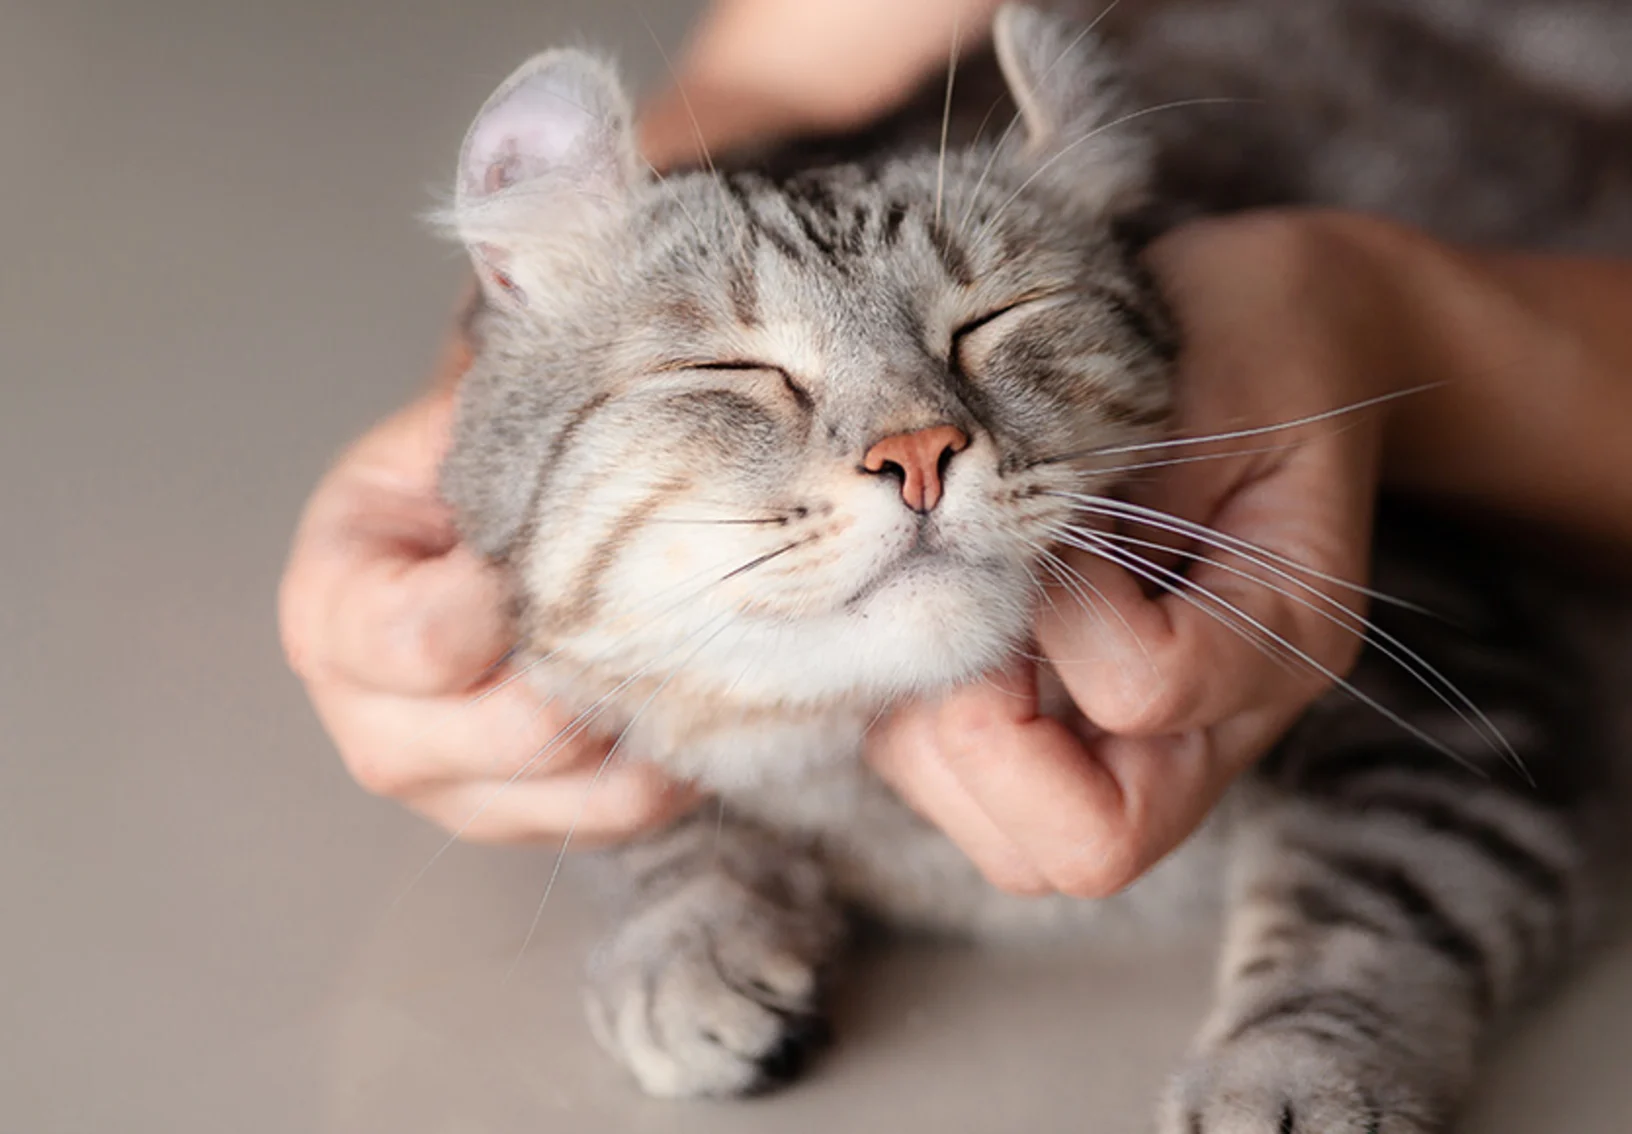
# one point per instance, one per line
(397, 631)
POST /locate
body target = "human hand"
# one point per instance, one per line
(1283, 318)
(399, 634)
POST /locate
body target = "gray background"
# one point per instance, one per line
(210, 278)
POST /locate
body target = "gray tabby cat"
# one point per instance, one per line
(769, 450)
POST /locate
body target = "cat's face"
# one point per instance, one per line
(802, 439)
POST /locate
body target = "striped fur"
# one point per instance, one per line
(662, 437)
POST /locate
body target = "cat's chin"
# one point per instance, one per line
(934, 624)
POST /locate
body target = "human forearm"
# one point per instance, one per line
(757, 68)
(1534, 352)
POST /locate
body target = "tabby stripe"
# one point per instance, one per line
(529, 526)
(743, 293)
(1328, 774)
(954, 259)
(1443, 818)
(1142, 323)
(893, 216)
(784, 244)
(1366, 1020)
(822, 242)
(1430, 924)
(585, 590)
(667, 876)
(1259, 966)
(1317, 907)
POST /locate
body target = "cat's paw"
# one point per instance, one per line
(1289, 1083)
(715, 991)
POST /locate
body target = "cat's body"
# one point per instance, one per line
(771, 449)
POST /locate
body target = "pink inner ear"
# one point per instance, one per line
(502, 172)
(539, 127)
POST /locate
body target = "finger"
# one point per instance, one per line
(415, 626)
(1233, 635)
(1167, 786)
(1144, 798)
(1090, 818)
(398, 746)
(907, 756)
(377, 593)
(376, 614)
(1036, 783)
(595, 807)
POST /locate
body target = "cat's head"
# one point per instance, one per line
(798, 440)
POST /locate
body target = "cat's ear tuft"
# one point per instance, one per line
(1070, 99)
(550, 156)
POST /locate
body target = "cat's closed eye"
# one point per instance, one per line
(968, 341)
(748, 366)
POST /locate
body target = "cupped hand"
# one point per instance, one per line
(1284, 318)
(400, 635)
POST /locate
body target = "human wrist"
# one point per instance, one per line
(1360, 275)
(1532, 385)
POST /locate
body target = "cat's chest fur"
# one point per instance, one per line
(708, 732)
(797, 769)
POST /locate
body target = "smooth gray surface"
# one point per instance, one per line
(211, 278)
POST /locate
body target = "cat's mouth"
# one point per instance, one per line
(927, 552)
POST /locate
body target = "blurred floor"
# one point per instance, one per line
(212, 276)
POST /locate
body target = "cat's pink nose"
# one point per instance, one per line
(919, 460)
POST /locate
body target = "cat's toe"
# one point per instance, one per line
(805, 1037)
(688, 1026)
(726, 1006)
(1290, 1084)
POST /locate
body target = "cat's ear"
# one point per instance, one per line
(1071, 103)
(550, 159)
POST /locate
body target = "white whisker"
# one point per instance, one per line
(577, 726)
(1014, 120)
(1066, 149)
(1115, 470)
(946, 121)
(1172, 580)
(1165, 521)
(696, 125)
(606, 762)
(1082, 580)
(1413, 663)
(1256, 431)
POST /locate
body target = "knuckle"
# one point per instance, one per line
(970, 716)
(638, 797)
(377, 773)
(414, 646)
(300, 652)
(1343, 654)
(1103, 872)
(1151, 707)
(1013, 879)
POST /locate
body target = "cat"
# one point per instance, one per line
(768, 448)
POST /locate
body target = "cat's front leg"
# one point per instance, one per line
(711, 983)
(1384, 920)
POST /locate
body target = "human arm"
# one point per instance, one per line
(1529, 414)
